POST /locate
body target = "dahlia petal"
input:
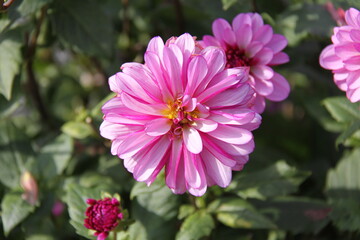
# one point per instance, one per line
(351, 17)
(114, 84)
(132, 103)
(329, 60)
(355, 35)
(253, 48)
(352, 64)
(236, 149)
(277, 43)
(150, 159)
(156, 45)
(353, 80)
(346, 51)
(231, 97)
(229, 37)
(115, 145)
(257, 21)
(111, 131)
(158, 126)
(210, 41)
(263, 87)
(205, 125)
(232, 116)
(263, 34)
(113, 117)
(143, 76)
(102, 236)
(262, 72)
(223, 81)
(279, 58)
(259, 104)
(132, 87)
(216, 60)
(198, 192)
(254, 123)
(186, 44)
(217, 152)
(231, 135)
(220, 173)
(174, 168)
(281, 88)
(264, 56)
(197, 71)
(192, 175)
(192, 140)
(133, 143)
(152, 61)
(353, 95)
(219, 27)
(173, 60)
(243, 36)
(241, 20)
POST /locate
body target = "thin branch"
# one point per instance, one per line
(32, 84)
(254, 6)
(179, 16)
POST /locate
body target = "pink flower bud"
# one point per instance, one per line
(30, 187)
(102, 216)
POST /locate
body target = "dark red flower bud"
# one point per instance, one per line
(102, 216)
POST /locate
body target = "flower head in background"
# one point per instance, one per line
(103, 216)
(343, 56)
(182, 111)
(248, 42)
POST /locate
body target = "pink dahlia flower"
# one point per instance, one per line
(343, 56)
(183, 111)
(248, 42)
(103, 216)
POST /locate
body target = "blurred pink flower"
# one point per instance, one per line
(183, 111)
(337, 14)
(103, 216)
(31, 190)
(58, 208)
(248, 42)
(343, 56)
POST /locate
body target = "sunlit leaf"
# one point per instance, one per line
(76, 197)
(78, 130)
(342, 110)
(198, 225)
(14, 210)
(10, 60)
(54, 156)
(238, 213)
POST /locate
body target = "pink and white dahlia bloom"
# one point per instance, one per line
(249, 42)
(184, 111)
(343, 56)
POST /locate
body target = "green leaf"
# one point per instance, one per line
(76, 197)
(278, 179)
(10, 60)
(348, 133)
(344, 180)
(15, 153)
(298, 215)
(78, 130)
(342, 110)
(198, 225)
(84, 26)
(31, 7)
(238, 213)
(154, 207)
(185, 211)
(54, 156)
(14, 210)
(228, 3)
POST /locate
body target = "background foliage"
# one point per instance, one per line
(302, 181)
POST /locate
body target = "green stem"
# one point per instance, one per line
(115, 235)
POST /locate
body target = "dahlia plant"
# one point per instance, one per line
(248, 42)
(184, 111)
(343, 56)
